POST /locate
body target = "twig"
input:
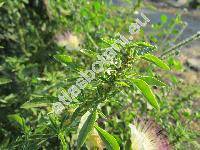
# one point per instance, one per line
(113, 114)
(184, 42)
(93, 42)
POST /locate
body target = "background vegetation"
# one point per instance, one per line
(30, 76)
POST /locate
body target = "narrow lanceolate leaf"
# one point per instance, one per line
(109, 141)
(20, 121)
(146, 91)
(4, 81)
(1, 4)
(28, 105)
(39, 102)
(86, 128)
(63, 58)
(88, 53)
(156, 61)
(152, 81)
(121, 83)
(108, 41)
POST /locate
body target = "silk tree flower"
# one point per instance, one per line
(68, 40)
(147, 135)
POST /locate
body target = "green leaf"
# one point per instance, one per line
(156, 61)
(146, 91)
(108, 139)
(108, 41)
(163, 18)
(5, 81)
(152, 81)
(17, 118)
(20, 121)
(84, 12)
(121, 83)
(63, 58)
(39, 102)
(89, 53)
(28, 105)
(1, 4)
(97, 6)
(142, 47)
(86, 128)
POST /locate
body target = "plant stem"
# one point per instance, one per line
(184, 42)
(92, 41)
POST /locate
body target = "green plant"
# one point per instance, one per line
(33, 67)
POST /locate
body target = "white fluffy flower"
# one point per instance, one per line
(68, 40)
(146, 135)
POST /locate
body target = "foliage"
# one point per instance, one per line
(33, 67)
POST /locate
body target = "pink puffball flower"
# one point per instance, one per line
(68, 40)
(146, 135)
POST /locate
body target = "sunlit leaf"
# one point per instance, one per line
(5, 81)
(86, 128)
(19, 120)
(121, 83)
(156, 61)
(63, 58)
(142, 47)
(146, 91)
(108, 41)
(152, 81)
(1, 4)
(163, 18)
(88, 53)
(39, 102)
(97, 6)
(109, 141)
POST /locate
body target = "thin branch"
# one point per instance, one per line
(184, 42)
